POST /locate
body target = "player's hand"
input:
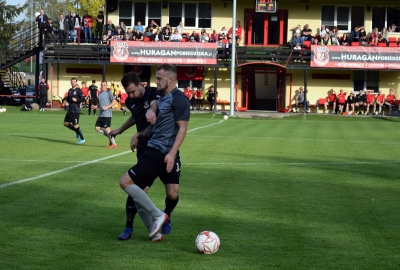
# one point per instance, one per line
(104, 108)
(151, 116)
(114, 133)
(143, 84)
(134, 142)
(94, 107)
(170, 160)
(74, 99)
(66, 104)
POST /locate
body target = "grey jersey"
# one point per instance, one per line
(105, 99)
(172, 107)
(300, 97)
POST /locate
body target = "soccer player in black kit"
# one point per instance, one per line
(93, 97)
(140, 100)
(73, 101)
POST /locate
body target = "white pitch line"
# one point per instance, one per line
(81, 164)
(62, 170)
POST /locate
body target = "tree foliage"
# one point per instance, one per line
(91, 6)
(8, 13)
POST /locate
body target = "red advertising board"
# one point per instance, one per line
(362, 57)
(178, 53)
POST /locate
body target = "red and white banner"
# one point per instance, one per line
(178, 53)
(363, 57)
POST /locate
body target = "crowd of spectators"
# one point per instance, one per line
(325, 36)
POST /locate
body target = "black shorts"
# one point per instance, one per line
(351, 102)
(94, 101)
(330, 103)
(72, 118)
(152, 166)
(104, 122)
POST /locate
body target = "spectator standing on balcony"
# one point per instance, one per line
(68, 18)
(360, 101)
(211, 96)
(93, 97)
(176, 37)
(50, 37)
(63, 29)
(198, 97)
(77, 27)
(137, 36)
(157, 36)
(42, 20)
(139, 27)
(345, 41)
(379, 100)
(73, 102)
(391, 101)
(393, 28)
(300, 100)
(355, 35)
(331, 101)
(43, 88)
(180, 28)
(195, 36)
(110, 26)
(99, 25)
(87, 23)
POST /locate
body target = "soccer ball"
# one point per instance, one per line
(225, 117)
(207, 242)
(4, 109)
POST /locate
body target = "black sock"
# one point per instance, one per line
(94, 111)
(170, 205)
(79, 131)
(71, 127)
(131, 211)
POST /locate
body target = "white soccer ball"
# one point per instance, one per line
(4, 109)
(207, 242)
(225, 117)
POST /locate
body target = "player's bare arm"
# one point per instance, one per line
(180, 136)
(112, 104)
(144, 133)
(128, 124)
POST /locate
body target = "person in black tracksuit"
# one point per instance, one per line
(360, 102)
(43, 87)
(93, 97)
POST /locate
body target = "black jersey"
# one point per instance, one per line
(75, 106)
(360, 98)
(93, 91)
(138, 108)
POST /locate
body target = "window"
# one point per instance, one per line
(366, 80)
(386, 17)
(193, 15)
(344, 17)
(132, 12)
(184, 83)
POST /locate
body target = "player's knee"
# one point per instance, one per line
(125, 181)
(172, 195)
(97, 129)
(66, 124)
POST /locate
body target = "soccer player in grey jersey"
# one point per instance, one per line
(161, 156)
(103, 123)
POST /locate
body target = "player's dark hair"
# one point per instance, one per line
(74, 79)
(129, 78)
(168, 68)
(93, 81)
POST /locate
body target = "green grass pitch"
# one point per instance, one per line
(303, 192)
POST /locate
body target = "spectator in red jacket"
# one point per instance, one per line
(330, 101)
(379, 100)
(390, 101)
(341, 99)
(87, 24)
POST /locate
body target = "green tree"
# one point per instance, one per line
(8, 26)
(52, 8)
(91, 6)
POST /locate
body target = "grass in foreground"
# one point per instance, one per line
(319, 192)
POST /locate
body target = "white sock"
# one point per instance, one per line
(143, 201)
(113, 141)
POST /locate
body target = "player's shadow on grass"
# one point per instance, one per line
(55, 141)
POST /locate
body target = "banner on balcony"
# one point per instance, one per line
(190, 73)
(362, 57)
(177, 53)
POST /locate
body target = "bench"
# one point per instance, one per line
(221, 103)
(313, 107)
